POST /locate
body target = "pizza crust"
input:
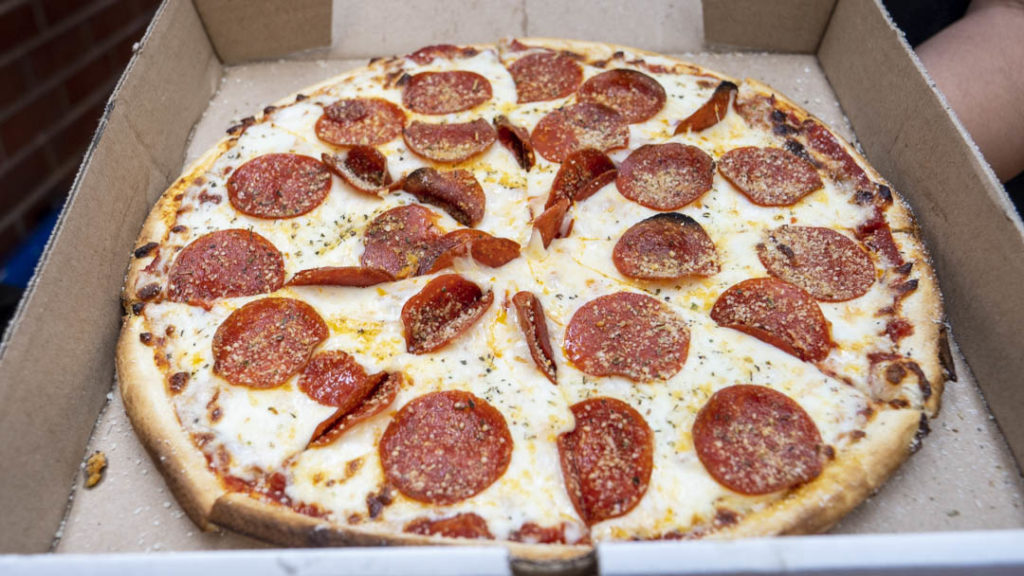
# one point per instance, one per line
(859, 469)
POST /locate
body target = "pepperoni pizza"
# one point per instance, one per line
(548, 293)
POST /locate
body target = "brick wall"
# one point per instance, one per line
(59, 61)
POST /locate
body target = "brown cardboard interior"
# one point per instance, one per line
(241, 31)
(794, 26)
(142, 149)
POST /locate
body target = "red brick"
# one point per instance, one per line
(57, 11)
(94, 76)
(60, 52)
(19, 180)
(17, 26)
(31, 120)
(14, 84)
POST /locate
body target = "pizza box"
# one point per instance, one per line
(955, 506)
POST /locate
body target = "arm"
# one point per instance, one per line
(978, 63)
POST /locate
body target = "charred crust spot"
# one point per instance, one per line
(906, 287)
(146, 338)
(923, 429)
(857, 435)
(829, 452)
(726, 517)
(149, 291)
(177, 382)
(895, 373)
(269, 110)
(179, 229)
(899, 403)
(145, 250)
(885, 193)
(300, 97)
(137, 307)
(403, 80)
(863, 197)
(238, 129)
(946, 354)
(375, 502)
(905, 268)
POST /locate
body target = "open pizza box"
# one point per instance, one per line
(956, 506)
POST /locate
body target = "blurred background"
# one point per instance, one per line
(59, 62)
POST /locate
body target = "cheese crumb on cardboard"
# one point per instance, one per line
(94, 467)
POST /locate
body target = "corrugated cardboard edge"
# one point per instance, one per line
(73, 374)
(981, 280)
(790, 26)
(246, 30)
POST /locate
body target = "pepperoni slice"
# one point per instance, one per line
(665, 176)
(457, 192)
(517, 140)
(265, 342)
(361, 167)
(357, 276)
(449, 143)
(444, 447)
(484, 248)
(828, 265)
(446, 307)
(532, 533)
(754, 440)
(633, 94)
(427, 54)
(778, 313)
(225, 264)
(445, 92)
(398, 239)
(582, 125)
(382, 394)
(334, 378)
(581, 175)
(465, 525)
(665, 247)
(769, 176)
(551, 222)
(360, 122)
(545, 76)
(279, 186)
(627, 334)
(606, 459)
(533, 323)
(711, 112)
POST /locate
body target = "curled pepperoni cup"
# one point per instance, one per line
(449, 143)
(517, 140)
(484, 249)
(633, 94)
(446, 307)
(225, 264)
(335, 379)
(279, 185)
(545, 76)
(457, 192)
(754, 440)
(769, 176)
(398, 239)
(606, 459)
(361, 167)
(534, 325)
(464, 525)
(356, 276)
(265, 342)
(444, 447)
(828, 265)
(711, 112)
(445, 92)
(577, 126)
(360, 122)
(553, 222)
(382, 394)
(665, 247)
(665, 176)
(581, 174)
(778, 313)
(627, 334)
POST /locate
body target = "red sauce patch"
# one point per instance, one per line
(279, 186)
(633, 94)
(606, 459)
(754, 440)
(778, 313)
(265, 342)
(627, 334)
(360, 122)
(545, 76)
(665, 176)
(444, 447)
(446, 307)
(445, 92)
(577, 126)
(665, 247)
(225, 264)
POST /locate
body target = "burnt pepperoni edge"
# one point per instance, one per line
(665, 246)
(457, 192)
(533, 324)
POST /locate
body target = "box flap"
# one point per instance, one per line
(243, 30)
(910, 134)
(777, 26)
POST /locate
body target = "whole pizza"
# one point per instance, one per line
(549, 293)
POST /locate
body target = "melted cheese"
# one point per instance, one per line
(267, 430)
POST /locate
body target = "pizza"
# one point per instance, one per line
(547, 293)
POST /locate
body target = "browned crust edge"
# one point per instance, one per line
(858, 471)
